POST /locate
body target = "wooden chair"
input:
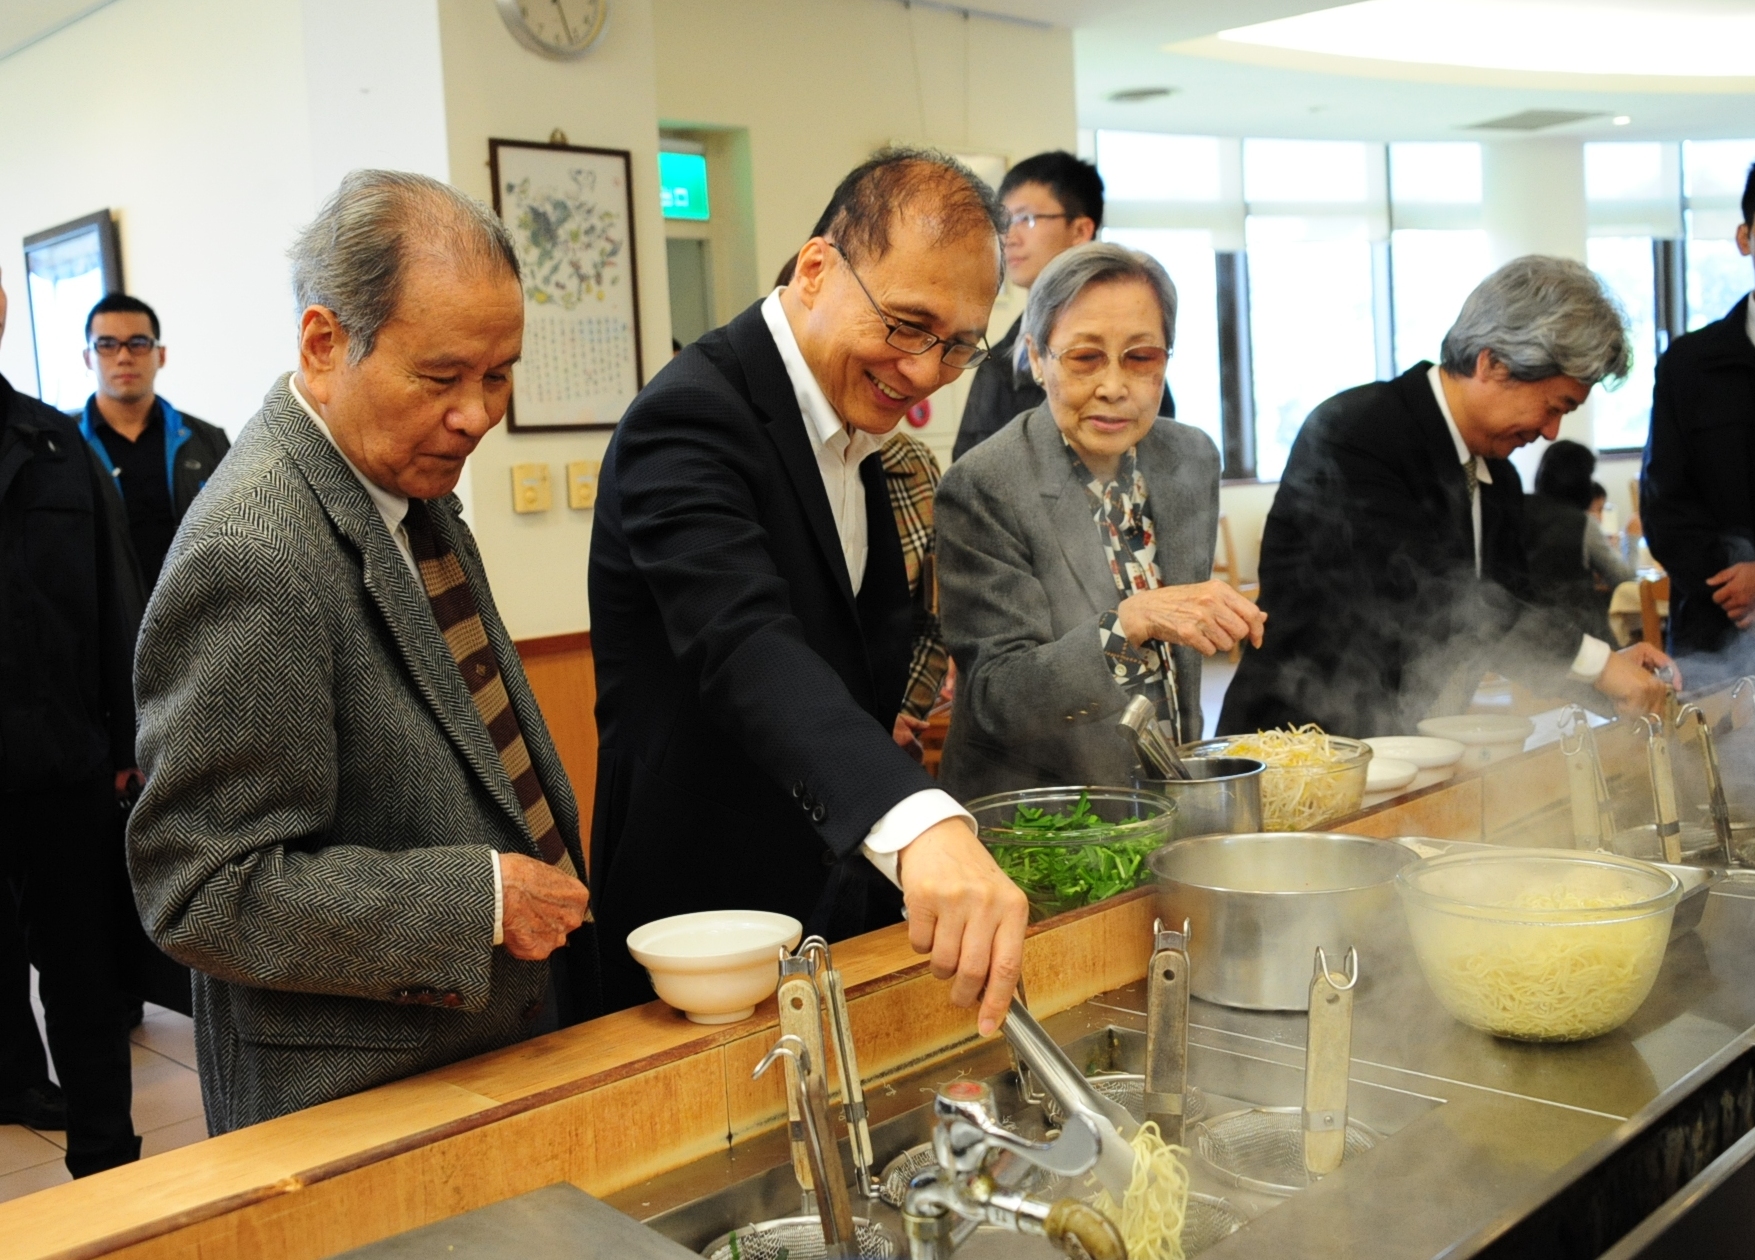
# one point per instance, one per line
(1225, 568)
(1650, 620)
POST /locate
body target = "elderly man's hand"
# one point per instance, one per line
(965, 913)
(1630, 680)
(1209, 617)
(541, 906)
(1736, 593)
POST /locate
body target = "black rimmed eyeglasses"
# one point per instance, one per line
(911, 338)
(108, 346)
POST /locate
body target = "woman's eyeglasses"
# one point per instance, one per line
(1090, 361)
(109, 346)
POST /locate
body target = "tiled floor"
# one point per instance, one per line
(167, 1107)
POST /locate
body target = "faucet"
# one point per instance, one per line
(946, 1204)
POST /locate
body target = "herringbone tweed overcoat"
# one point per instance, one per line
(321, 794)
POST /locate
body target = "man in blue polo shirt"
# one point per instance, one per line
(159, 456)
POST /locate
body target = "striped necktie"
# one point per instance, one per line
(459, 619)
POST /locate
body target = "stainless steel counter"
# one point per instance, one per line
(1481, 1134)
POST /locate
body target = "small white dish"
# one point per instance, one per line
(1386, 778)
(715, 965)
(1486, 737)
(1435, 759)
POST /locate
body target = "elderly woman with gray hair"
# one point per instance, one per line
(1393, 564)
(1076, 545)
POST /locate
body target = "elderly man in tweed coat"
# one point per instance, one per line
(355, 827)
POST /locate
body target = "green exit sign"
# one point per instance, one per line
(682, 184)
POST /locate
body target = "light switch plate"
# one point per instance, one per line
(582, 483)
(530, 488)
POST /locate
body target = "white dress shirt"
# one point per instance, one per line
(393, 508)
(839, 451)
(1749, 317)
(1593, 654)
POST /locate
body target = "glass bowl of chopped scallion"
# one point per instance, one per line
(1068, 847)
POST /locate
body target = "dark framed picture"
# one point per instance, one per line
(67, 269)
(571, 215)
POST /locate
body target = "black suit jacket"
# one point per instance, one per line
(1697, 488)
(1368, 575)
(745, 695)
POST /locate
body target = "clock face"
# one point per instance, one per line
(555, 28)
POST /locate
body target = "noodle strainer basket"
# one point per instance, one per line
(798, 1238)
(1262, 1148)
(1129, 1089)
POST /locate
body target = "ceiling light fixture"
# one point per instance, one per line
(1132, 96)
(1549, 36)
(1621, 120)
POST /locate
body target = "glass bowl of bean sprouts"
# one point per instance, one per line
(1539, 944)
(1312, 778)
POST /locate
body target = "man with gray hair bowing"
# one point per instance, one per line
(355, 826)
(1393, 569)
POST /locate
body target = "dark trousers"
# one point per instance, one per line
(22, 1063)
(60, 859)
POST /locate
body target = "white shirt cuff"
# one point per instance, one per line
(499, 901)
(1591, 661)
(905, 823)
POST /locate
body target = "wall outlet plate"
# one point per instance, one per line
(530, 488)
(582, 483)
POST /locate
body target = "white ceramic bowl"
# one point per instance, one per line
(1386, 778)
(1486, 737)
(716, 965)
(1435, 759)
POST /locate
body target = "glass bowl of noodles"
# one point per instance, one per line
(1312, 778)
(1539, 944)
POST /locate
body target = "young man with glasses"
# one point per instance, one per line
(160, 457)
(750, 612)
(1053, 201)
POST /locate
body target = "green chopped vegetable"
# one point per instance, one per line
(1060, 876)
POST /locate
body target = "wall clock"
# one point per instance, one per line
(562, 29)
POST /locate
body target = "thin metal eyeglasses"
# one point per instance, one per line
(1091, 361)
(1026, 219)
(107, 346)
(911, 338)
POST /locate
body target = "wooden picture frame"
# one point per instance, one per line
(67, 269)
(570, 211)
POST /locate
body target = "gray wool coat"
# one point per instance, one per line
(1022, 582)
(321, 795)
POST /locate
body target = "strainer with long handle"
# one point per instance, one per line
(847, 1059)
(801, 1016)
(1328, 1051)
(1166, 1083)
(834, 1212)
(1663, 787)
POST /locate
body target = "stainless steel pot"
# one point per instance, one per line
(1222, 795)
(1259, 904)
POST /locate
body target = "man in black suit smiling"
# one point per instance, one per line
(750, 613)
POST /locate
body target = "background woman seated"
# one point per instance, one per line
(1572, 565)
(1076, 545)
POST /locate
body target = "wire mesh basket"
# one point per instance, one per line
(1262, 1148)
(798, 1238)
(1129, 1089)
(1209, 1220)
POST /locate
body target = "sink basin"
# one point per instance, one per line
(701, 1202)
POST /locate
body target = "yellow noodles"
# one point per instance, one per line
(1152, 1213)
(1304, 785)
(1562, 981)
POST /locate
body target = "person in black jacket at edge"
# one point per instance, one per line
(1052, 202)
(750, 611)
(1697, 485)
(1393, 570)
(70, 602)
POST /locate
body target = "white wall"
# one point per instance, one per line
(819, 84)
(188, 118)
(494, 88)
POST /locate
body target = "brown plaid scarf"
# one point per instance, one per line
(454, 608)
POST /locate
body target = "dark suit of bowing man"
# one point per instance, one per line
(750, 612)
